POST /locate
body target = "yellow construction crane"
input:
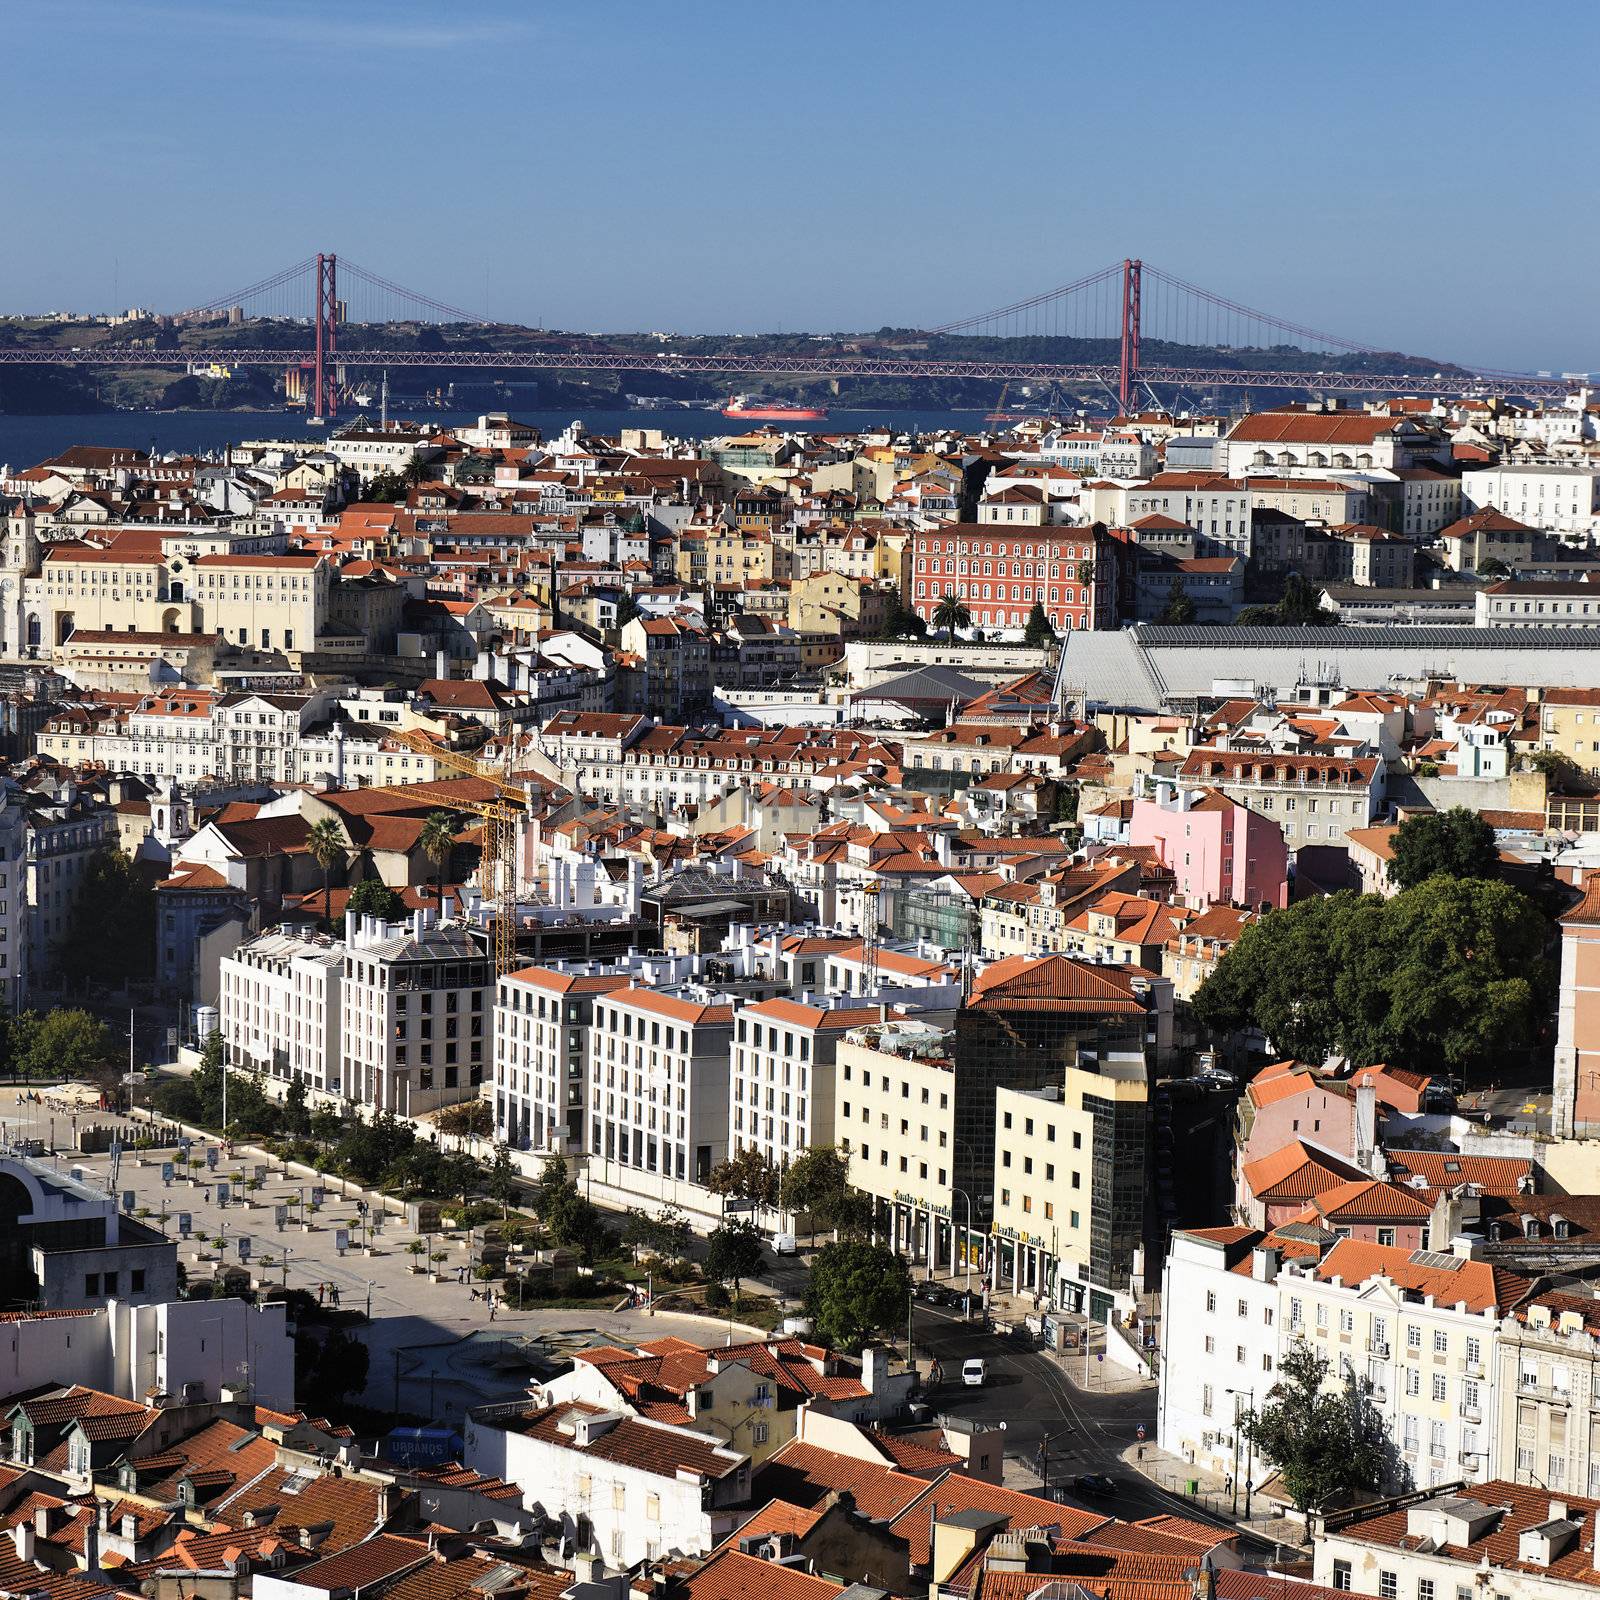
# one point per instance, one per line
(500, 817)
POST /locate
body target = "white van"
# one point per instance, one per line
(974, 1372)
(783, 1244)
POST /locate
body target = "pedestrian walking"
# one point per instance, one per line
(333, 1294)
(492, 1304)
(321, 1290)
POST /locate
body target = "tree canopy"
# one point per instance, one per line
(1453, 972)
(817, 1184)
(1456, 843)
(856, 1290)
(1038, 630)
(1327, 1444)
(951, 613)
(1179, 609)
(733, 1252)
(69, 1044)
(746, 1176)
(111, 933)
(372, 897)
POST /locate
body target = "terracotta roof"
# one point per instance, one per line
(728, 1575)
(1298, 1171)
(804, 1476)
(955, 1493)
(1056, 983)
(1478, 1285)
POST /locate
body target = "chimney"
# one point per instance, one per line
(1264, 1265)
(22, 1536)
(1367, 1126)
(587, 1567)
(385, 1510)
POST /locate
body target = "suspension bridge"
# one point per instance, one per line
(1130, 329)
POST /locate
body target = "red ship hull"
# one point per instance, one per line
(776, 413)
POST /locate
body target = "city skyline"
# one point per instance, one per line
(623, 181)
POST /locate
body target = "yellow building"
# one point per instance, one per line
(830, 602)
(737, 555)
(894, 1095)
(105, 589)
(1069, 1184)
(264, 602)
(1569, 723)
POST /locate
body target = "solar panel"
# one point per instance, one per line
(1438, 1259)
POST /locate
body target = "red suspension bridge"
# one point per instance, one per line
(1139, 321)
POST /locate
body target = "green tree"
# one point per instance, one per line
(1327, 1444)
(296, 1116)
(372, 897)
(386, 486)
(68, 1044)
(326, 842)
(1456, 843)
(1179, 609)
(951, 613)
(552, 1183)
(817, 1183)
(415, 471)
(664, 1233)
(733, 1253)
(1038, 631)
(436, 840)
(328, 1371)
(1301, 605)
(213, 1052)
(1493, 567)
(111, 932)
(1453, 972)
(855, 1291)
(501, 1183)
(1562, 771)
(746, 1176)
(1277, 977)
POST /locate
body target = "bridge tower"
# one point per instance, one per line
(323, 400)
(1132, 272)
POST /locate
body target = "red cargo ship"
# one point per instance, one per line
(756, 410)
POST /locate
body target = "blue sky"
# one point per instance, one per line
(1408, 176)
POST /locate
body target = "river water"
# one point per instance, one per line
(25, 441)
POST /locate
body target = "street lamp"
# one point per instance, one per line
(1250, 1451)
(966, 1240)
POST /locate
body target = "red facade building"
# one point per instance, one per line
(999, 572)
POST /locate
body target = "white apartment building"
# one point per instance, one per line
(265, 602)
(417, 1001)
(633, 1488)
(658, 1081)
(1546, 1388)
(279, 1007)
(1420, 1327)
(784, 1054)
(543, 1026)
(1559, 497)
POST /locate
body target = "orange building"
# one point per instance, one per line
(1576, 1108)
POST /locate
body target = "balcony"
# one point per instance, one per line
(1470, 1369)
(1378, 1347)
(1471, 1414)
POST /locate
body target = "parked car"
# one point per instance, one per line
(974, 1373)
(1096, 1484)
(783, 1244)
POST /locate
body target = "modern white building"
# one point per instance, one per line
(279, 1007)
(417, 1006)
(783, 1099)
(658, 1081)
(543, 1026)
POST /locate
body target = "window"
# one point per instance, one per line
(1438, 1386)
(1211, 1300)
(1341, 1574)
(1388, 1585)
(1441, 1341)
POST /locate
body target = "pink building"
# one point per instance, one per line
(1221, 853)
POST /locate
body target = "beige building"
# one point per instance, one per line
(896, 1120)
(1569, 722)
(101, 589)
(264, 602)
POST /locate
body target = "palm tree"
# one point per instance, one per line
(414, 472)
(327, 845)
(951, 613)
(438, 839)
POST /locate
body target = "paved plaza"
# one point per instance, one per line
(432, 1344)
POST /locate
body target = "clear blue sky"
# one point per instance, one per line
(1409, 176)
